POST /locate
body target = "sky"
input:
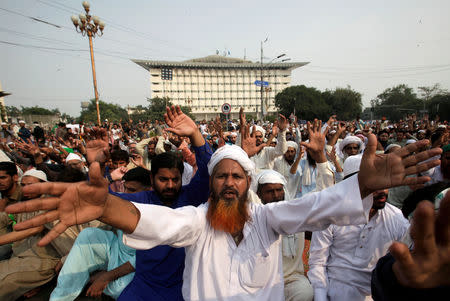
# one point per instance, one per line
(368, 45)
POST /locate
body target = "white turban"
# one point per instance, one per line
(351, 165)
(232, 152)
(349, 140)
(38, 174)
(292, 144)
(258, 129)
(391, 146)
(73, 156)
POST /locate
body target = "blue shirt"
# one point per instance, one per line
(159, 271)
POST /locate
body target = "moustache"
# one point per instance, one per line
(169, 190)
(379, 196)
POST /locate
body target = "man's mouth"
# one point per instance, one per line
(380, 198)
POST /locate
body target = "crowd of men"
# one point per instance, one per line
(226, 210)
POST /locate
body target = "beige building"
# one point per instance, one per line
(205, 84)
(3, 115)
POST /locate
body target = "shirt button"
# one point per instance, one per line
(363, 237)
(360, 247)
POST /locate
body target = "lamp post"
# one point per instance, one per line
(92, 27)
(262, 77)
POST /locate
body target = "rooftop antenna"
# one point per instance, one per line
(245, 53)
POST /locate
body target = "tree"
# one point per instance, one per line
(13, 111)
(156, 109)
(307, 102)
(344, 102)
(112, 112)
(394, 103)
(439, 105)
(38, 111)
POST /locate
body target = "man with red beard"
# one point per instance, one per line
(342, 257)
(237, 260)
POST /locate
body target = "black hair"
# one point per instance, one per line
(138, 174)
(167, 160)
(71, 175)
(120, 154)
(9, 167)
(426, 193)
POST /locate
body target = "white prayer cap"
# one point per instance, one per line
(422, 131)
(234, 134)
(269, 176)
(22, 121)
(39, 174)
(232, 152)
(292, 144)
(349, 140)
(351, 165)
(73, 156)
(258, 129)
(4, 123)
(391, 146)
(332, 132)
(410, 141)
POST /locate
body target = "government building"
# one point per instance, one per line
(205, 84)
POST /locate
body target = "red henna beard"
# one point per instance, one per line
(228, 215)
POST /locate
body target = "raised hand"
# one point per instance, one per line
(97, 149)
(316, 144)
(71, 204)
(282, 122)
(248, 142)
(379, 171)
(138, 160)
(428, 265)
(179, 123)
(118, 173)
(242, 120)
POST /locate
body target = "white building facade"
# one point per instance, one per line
(205, 84)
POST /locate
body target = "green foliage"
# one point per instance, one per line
(344, 102)
(439, 105)
(395, 103)
(112, 112)
(38, 111)
(155, 110)
(13, 111)
(308, 103)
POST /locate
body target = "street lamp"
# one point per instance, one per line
(91, 26)
(262, 76)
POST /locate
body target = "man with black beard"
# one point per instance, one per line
(342, 257)
(238, 258)
(147, 149)
(159, 271)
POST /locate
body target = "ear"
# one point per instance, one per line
(15, 178)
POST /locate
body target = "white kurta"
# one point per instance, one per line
(342, 257)
(217, 269)
(265, 158)
(293, 180)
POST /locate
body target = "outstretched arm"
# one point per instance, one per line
(423, 273)
(379, 171)
(76, 203)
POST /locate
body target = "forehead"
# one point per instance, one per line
(352, 145)
(290, 148)
(271, 186)
(229, 165)
(29, 179)
(168, 173)
(3, 173)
